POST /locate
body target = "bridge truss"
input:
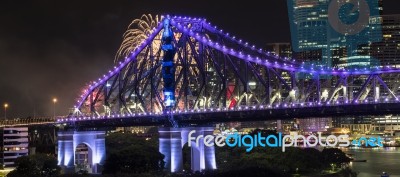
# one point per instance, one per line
(215, 71)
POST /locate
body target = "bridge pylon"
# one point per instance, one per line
(172, 140)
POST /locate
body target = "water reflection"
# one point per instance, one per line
(378, 160)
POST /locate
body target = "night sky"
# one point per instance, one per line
(53, 48)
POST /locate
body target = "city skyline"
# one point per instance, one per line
(51, 50)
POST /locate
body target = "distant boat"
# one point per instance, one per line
(351, 156)
(384, 174)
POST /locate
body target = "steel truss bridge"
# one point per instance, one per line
(219, 77)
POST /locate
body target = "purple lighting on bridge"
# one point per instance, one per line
(211, 110)
(256, 56)
(234, 53)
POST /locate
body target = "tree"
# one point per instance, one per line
(128, 153)
(334, 156)
(38, 165)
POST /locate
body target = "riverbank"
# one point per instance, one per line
(330, 173)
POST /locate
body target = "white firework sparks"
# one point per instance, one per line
(137, 32)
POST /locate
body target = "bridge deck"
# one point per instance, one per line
(202, 117)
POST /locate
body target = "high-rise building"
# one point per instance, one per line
(14, 144)
(380, 6)
(309, 26)
(283, 50)
(319, 41)
(388, 50)
(314, 124)
(386, 124)
(253, 124)
(355, 124)
(286, 126)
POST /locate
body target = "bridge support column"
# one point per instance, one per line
(209, 152)
(67, 145)
(172, 141)
(171, 147)
(66, 151)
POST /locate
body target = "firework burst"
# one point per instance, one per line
(137, 32)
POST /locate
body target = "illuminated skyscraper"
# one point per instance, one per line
(308, 22)
(388, 50)
(332, 32)
(280, 49)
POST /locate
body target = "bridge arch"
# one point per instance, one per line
(83, 157)
(69, 141)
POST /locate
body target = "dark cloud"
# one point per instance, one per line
(52, 48)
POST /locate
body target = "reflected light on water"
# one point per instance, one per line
(378, 160)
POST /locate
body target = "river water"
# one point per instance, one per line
(378, 160)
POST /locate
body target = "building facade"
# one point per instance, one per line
(389, 124)
(386, 124)
(313, 125)
(283, 49)
(309, 30)
(388, 50)
(14, 142)
(319, 41)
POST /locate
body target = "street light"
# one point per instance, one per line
(54, 107)
(5, 110)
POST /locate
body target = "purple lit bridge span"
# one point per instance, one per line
(219, 77)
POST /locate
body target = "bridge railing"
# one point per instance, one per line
(232, 109)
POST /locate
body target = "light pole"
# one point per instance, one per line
(5, 110)
(5, 118)
(54, 107)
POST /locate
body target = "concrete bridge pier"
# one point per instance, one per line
(70, 145)
(172, 140)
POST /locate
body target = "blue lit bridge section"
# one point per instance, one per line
(218, 75)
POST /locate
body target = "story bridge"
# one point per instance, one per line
(189, 72)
